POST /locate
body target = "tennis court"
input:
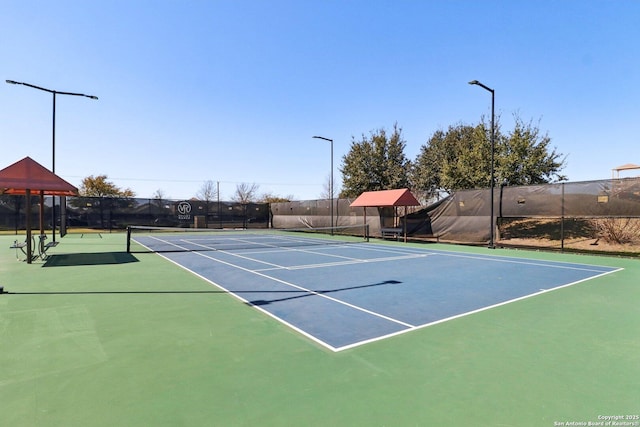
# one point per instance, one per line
(95, 336)
(344, 295)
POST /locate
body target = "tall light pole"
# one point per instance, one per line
(330, 182)
(493, 97)
(53, 145)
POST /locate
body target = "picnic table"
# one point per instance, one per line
(43, 246)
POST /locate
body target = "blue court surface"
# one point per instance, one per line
(342, 296)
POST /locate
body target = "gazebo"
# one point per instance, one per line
(615, 172)
(28, 177)
(387, 198)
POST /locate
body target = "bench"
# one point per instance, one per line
(394, 232)
(46, 247)
(398, 234)
(42, 248)
(19, 245)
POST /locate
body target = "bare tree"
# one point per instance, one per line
(326, 189)
(245, 193)
(208, 192)
(158, 197)
(159, 194)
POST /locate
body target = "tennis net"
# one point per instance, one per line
(171, 239)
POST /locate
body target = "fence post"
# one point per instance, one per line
(128, 239)
(562, 221)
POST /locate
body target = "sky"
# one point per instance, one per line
(232, 91)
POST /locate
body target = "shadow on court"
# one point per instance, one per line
(90, 258)
(113, 292)
(304, 294)
(212, 291)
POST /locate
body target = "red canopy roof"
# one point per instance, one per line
(400, 197)
(27, 174)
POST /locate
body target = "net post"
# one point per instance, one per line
(366, 232)
(128, 239)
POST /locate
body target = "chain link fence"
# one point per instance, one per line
(113, 214)
(600, 216)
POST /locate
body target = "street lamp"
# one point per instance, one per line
(331, 182)
(53, 145)
(493, 96)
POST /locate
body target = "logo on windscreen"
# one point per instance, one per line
(184, 210)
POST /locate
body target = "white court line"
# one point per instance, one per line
(275, 279)
(354, 261)
(277, 266)
(348, 260)
(457, 316)
(272, 248)
(238, 297)
(499, 258)
(525, 261)
(410, 328)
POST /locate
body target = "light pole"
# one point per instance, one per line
(330, 182)
(493, 96)
(53, 144)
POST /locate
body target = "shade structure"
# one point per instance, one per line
(28, 177)
(400, 197)
(625, 167)
(27, 174)
(387, 198)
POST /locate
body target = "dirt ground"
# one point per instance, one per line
(584, 235)
(582, 245)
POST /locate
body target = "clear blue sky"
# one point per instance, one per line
(232, 91)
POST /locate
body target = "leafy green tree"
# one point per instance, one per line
(375, 163)
(451, 160)
(526, 158)
(97, 193)
(274, 198)
(460, 158)
(99, 186)
(426, 172)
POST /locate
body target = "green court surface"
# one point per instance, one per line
(98, 337)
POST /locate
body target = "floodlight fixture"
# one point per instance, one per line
(493, 94)
(53, 145)
(331, 181)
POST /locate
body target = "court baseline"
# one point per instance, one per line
(342, 296)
